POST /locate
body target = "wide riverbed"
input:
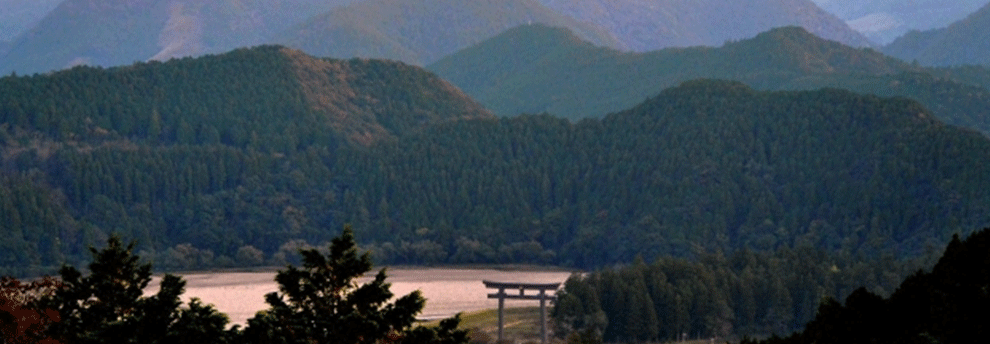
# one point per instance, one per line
(447, 291)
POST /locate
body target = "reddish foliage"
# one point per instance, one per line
(20, 321)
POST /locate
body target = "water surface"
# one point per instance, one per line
(447, 291)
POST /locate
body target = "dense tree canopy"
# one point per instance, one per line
(109, 305)
(322, 303)
(709, 163)
(946, 305)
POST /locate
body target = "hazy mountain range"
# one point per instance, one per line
(644, 25)
(118, 32)
(545, 69)
(882, 21)
(963, 42)
(422, 31)
(20, 15)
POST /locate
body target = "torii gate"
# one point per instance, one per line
(542, 296)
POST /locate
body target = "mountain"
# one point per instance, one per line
(289, 92)
(645, 25)
(546, 69)
(882, 21)
(120, 32)
(171, 141)
(421, 31)
(709, 164)
(20, 15)
(963, 42)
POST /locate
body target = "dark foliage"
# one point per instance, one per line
(322, 303)
(946, 305)
(718, 296)
(108, 305)
(710, 163)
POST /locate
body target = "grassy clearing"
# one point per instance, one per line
(521, 325)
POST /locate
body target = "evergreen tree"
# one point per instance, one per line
(322, 303)
(108, 306)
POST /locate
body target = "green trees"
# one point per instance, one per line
(745, 293)
(321, 302)
(946, 305)
(108, 305)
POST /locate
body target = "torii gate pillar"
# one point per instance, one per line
(542, 296)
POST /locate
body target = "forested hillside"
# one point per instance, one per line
(545, 69)
(237, 166)
(944, 305)
(763, 293)
(184, 151)
(710, 163)
(712, 295)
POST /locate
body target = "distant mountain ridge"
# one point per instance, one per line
(883, 21)
(19, 15)
(963, 42)
(422, 31)
(548, 70)
(121, 32)
(645, 25)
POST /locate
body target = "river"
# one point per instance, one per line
(447, 291)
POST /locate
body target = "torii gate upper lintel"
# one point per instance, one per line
(522, 287)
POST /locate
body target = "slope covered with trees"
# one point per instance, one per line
(90, 151)
(710, 164)
(756, 294)
(945, 305)
(714, 164)
(544, 69)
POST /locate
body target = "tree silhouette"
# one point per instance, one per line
(322, 303)
(108, 306)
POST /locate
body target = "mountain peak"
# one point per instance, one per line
(795, 48)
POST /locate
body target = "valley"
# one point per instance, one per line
(716, 170)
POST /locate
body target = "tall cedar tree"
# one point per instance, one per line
(323, 303)
(108, 306)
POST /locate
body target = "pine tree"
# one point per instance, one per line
(108, 306)
(322, 303)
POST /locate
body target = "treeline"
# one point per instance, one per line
(718, 296)
(712, 164)
(946, 305)
(318, 301)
